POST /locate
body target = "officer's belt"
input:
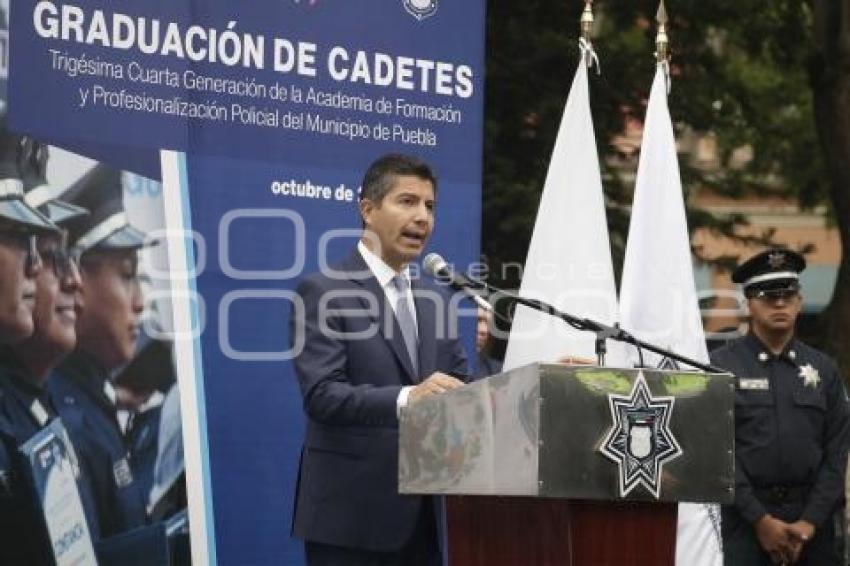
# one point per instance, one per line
(778, 494)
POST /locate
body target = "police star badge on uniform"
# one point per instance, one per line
(810, 376)
(640, 441)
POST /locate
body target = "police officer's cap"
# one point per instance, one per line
(101, 192)
(775, 269)
(41, 195)
(14, 212)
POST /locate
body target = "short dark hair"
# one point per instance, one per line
(381, 174)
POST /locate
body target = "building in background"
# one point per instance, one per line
(723, 305)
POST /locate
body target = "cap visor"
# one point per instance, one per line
(124, 238)
(785, 284)
(60, 212)
(18, 212)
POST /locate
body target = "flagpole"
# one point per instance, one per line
(585, 42)
(568, 262)
(662, 42)
(587, 20)
(658, 296)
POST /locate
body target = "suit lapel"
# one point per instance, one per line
(386, 321)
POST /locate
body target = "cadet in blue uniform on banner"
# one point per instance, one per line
(20, 226)
(791, 427)
(108, 323)
(355, 381)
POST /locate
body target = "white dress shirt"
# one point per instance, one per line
(385, 274)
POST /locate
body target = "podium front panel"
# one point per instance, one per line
(575, 432)
(594, 421)
(480, 439)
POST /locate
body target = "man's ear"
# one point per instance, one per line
(366, 208)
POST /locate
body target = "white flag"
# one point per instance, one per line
(658, 299)
(569, 257)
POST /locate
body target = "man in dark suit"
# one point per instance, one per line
(370, 341)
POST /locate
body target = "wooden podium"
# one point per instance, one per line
(555, 464)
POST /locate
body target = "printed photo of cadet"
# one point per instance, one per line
(24, 405)
(74, 357)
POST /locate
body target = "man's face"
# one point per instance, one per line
(109, 302)
(17, 287)
(402, 221)
(775, 312)
(55, 311)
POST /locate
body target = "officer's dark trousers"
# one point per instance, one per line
(741, 546)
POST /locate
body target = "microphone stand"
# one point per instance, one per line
(603, 332)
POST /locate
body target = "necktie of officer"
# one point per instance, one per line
(406, 322)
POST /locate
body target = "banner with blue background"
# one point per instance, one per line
(268, 114)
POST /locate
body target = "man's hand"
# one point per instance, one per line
(435, 384)
(775, 538)
(800, 532)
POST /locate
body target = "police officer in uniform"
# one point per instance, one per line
(791, 426)
(107, 327)
(25, 406)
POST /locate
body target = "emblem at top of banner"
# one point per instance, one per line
(640, 441)
(420, 9)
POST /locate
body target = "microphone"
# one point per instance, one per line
(435, 265)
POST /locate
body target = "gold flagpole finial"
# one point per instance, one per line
(587, 20)
(662, 42)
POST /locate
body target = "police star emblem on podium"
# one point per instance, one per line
(640, 441)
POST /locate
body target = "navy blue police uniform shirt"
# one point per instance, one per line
(77, 388)
(143, 440)
(22, 527)
(791, 430)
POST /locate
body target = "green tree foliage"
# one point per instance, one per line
(742, 70)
